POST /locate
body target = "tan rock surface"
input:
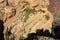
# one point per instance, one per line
(40, 19)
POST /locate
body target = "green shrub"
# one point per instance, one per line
(22, 38)
(41, 11)
(28, 12)
(26, 18)
(8, 33)
(47, 17)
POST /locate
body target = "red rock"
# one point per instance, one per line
(54, 6)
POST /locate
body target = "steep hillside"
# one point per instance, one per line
(24, 17)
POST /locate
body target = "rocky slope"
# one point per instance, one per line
(24, 17)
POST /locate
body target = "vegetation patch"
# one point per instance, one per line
(28, 12)
(8, 33)
(41, 10)
(22, 38)
(47, 17)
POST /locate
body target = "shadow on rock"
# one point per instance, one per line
(1, 30)
(45, 33)
(57, 32)
(39, 32)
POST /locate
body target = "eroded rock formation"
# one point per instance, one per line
(22, 17)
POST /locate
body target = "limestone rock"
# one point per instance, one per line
(2, 13)
(9, 12)
(38, 2)
(28, 18)
(38, 21)
(14, 2)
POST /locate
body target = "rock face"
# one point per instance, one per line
(24, 17)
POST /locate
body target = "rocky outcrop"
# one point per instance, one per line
(24, 17)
